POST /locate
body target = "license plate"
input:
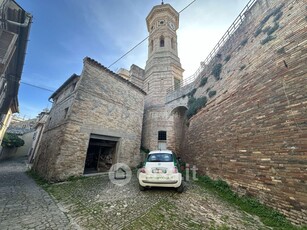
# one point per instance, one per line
(158, 170)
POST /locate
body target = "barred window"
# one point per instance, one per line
(162, 135)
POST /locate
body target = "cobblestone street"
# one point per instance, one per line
(96, 203)
(23, 204)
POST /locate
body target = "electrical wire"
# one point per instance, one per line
(125, 54)
(117, 60)
(36, 86)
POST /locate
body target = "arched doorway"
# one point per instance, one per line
(180, 120)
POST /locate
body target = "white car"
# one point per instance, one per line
(161, 169)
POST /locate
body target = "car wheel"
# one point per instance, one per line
(180, 188)
(141, 188)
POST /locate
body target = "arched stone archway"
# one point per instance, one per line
(179, 127)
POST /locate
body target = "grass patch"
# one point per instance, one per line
(267, 215)
(38, 179)
(212, 93)
(227, 58)
(203, 81)
(216, 71)
(194, 105)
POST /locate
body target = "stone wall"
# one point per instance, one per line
(102, 104)
(137, 76)
(253, 132)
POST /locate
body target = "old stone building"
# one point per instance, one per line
(163, 70)
(162, 125)
(250, 129)
(97, 118)
(95, 121)
(15, 25)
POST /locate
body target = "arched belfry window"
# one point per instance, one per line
(162, 41)
(151, 46)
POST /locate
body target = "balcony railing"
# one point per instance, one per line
(230, 31)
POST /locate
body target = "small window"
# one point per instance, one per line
(161, 41)
(73, 87)
(151, 46)
(65, 112)
(177, 83)
(162, 135)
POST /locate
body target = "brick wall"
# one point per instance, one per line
(253, 133)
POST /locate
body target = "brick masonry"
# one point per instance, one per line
(100, 102)
(253, 133)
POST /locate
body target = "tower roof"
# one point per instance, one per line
(159, 10)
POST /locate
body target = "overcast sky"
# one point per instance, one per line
(65, 31)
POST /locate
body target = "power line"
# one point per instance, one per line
(36, 86)
(125, 54)
(187, 6)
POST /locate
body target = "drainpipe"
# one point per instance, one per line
(24, 24)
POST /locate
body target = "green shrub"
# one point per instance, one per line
(243, 43)
(203, 81)
(191, 101)
(273, 29)
(219, 55)
(11, 140)
(278, 16)
(267, 39)
(266, 29)
(242, 67)
(212, 93)
(145, 150)
(194, 105)
(258, 31)
(275, 12)
(193, 91)
(281, 50)
(216, 71)
(227, 58)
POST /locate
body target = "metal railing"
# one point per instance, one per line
(230, 31)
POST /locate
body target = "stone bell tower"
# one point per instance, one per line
(162, 72)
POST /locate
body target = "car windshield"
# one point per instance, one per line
(160, 157)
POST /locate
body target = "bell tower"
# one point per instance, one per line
(162, 72)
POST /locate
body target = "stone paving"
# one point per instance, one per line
(23, 204)
(96, 203)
